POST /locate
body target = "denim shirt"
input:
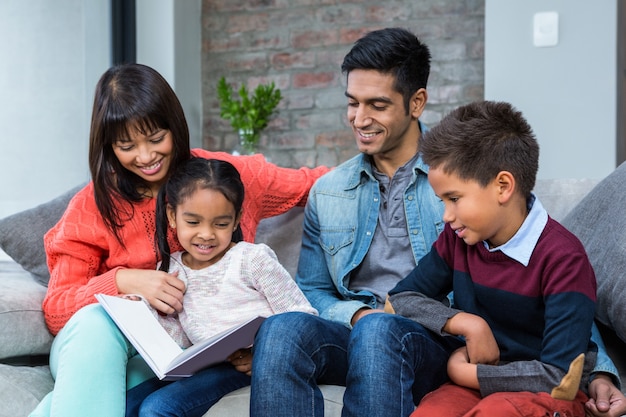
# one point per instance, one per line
(339, 222)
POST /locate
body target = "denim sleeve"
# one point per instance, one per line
(604, 364)
(314, 277)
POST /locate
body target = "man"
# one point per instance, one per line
(366, 225)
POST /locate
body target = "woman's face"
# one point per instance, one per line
(147, 154)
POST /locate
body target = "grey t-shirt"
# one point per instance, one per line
(390, 257)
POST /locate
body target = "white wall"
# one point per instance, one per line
(169, 40)
(567, 92)
(52, 54)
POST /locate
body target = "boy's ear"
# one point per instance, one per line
(418, 103)
(505, 182)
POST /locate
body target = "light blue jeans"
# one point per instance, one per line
(387, 364)
(93, 364)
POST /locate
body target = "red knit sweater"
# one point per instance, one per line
(84, 256)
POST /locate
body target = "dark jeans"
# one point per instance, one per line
(187, 397)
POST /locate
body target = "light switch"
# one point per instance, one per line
(546, 29)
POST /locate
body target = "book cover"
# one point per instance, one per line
(168, 360)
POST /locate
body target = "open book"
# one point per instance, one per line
(168, 360)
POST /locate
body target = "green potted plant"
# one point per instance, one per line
(248, 115)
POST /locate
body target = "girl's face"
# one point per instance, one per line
(148, 155)
(204, 224)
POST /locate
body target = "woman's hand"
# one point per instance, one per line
(242, 360)
(163, 291)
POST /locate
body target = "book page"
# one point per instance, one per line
(160, 351)
(143, 330)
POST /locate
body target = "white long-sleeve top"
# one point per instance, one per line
(248, 281)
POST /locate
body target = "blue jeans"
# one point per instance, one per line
(387, 364)
(186, 397)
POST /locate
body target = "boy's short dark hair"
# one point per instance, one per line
(394, 51)
(478, 140)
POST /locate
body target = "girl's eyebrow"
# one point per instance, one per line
(224, 217)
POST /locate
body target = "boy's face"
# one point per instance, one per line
(377, 114)
(474, 212)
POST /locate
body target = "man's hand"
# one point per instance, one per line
(605, 400)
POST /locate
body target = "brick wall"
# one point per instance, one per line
(300, 44)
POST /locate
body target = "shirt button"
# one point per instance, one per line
(368, 233)
(415, 231)
(410, 198)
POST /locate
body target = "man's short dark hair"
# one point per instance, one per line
(393, 51)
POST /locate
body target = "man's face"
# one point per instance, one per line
(377, 114)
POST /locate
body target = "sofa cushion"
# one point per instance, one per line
(24, 331)
(599, 221)
(21, 234)
(237, 403)
(560, 196)
(283, 233)
(22, 388)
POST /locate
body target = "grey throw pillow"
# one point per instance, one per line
(21, 234)
(599, 221)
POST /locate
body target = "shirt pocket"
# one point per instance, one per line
(333, 238)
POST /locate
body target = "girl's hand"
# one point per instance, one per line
(161, 290)
(242, 360)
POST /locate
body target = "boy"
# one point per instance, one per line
(524, 289)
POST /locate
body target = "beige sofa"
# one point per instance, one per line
(25, 341)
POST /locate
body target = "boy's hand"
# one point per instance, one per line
(480, 342)
(461, 371)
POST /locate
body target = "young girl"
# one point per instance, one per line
(104, 243)
(227, 282)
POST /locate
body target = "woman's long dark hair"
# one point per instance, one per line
(192, 175)
(129, 96)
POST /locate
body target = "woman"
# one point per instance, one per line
(104, 243)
